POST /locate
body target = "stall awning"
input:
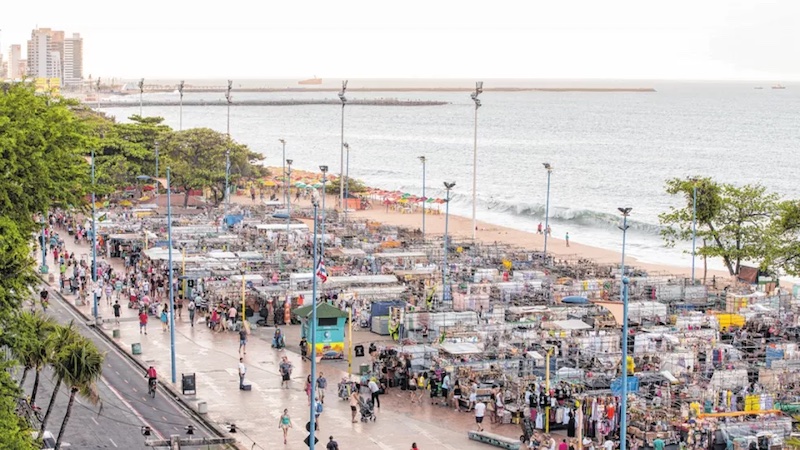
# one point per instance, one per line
(571, 324)
(324, 311)
(221, 255)
(401, 255)
(461, 348)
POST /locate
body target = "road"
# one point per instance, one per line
(117, 422)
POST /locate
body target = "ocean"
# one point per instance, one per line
(609, 149)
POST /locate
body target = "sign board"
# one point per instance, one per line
(633, 385)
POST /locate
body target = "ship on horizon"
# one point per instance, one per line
(311, 81)
(779, 86)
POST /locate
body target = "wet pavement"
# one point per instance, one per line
(213, 357)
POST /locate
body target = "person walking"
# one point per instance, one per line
(164, 318)
(332, 445)
(566, 238)
(308, 388)
(322, 383)
(480, 411)
(353, 405)
(191, 307)
(117, 308)
(317, 412)
(374, 389)
(242, 372)
(286, 372)
(285, 423)
(143, 321)
(243, 341)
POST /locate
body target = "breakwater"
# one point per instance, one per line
(290, 102)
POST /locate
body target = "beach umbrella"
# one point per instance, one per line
(406, 195)
(575, 300)
(269, 183)
(317, 185)
(300, 184)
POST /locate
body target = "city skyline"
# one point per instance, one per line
(623, 39)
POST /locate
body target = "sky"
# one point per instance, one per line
(556, 39)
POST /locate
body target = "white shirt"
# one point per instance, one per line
(608, 444)
(480, 409)
(373, 387)
(242, 368)
(446, 382)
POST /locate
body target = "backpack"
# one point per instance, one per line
(319, 408)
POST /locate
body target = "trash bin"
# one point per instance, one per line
(359, 349)
(115, 333)
(136, 348)
(202, 407)
(363, 369)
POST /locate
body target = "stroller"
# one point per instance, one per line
(367, 410)
(345, 388)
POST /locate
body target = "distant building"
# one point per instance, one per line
(14, 62)
(52, 56)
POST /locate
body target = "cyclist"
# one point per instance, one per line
(151, 377)
(43, 296)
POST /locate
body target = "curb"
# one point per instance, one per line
(211, 426)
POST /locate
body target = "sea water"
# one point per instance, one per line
(609, 149)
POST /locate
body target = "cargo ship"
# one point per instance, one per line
(778, 86)
(311, 81)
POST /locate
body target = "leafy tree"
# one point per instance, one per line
(41, 143)
(784, 244)
(14, 430)
(39, 329)
(16, 266)
(353, 186)
(733, 221)
(197, 160)
(80, 366)
(61, 337)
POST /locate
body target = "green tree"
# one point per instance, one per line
(16, 267)
(733, 221)
(61, 337)
(40, 328)
(197, 160)
(80, 366)
(14, 430)
(353, 186)
(41, 146)
(784, 242)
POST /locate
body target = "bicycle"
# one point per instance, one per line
(151, 388)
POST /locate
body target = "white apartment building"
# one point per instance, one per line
(73, 60)
(14, 61)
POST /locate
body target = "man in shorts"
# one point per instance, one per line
(286, 372)
(480, 411)
(243, 341)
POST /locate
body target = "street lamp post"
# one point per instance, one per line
(346, 181)
(180, 107)
(478, 90)
(155, 184)
(288, 204)
(324, 170)
(312, 407)
(694, 226)
(423, 159)
(141, 95)
(549, 169)
(283, 173)
(97, 92)
(445, 270)
(44, 268)
(229, 100)
(171, 285)
(94, 246)
(343, 99)
(624, 297)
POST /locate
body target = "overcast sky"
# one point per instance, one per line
(615, 39)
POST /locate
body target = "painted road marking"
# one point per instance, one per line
(113, 443)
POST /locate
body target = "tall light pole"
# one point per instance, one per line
(445, 270)
(98, 94)
(288, 203)
(694, 225)
(171, 286)
(44, 268)
(141, 95)
(180, 108)
(312, 406)
(423, 159)
(324, 170)
(346, 181)
(94, 246)
(623, 431)
(283, 173)
(478, 90)
(229, 100)
(155, 185)
(549, 169)
(343, 99)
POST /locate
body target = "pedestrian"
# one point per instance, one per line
(421, 384)
(191, 307)
(375, 391)
(322, 383)
(286, 372)
(539, 228)
(456, 396)
(563, 445)
(143, 321)
(354, 405)
(480, 411)
(179, 306)
(414, 446)
(242, 371)
(332, 445)
(547, 231)
(243, 341)
(566, 238)
(317, 412)
(164, 318)
(285, 423)
(445, 389)
(109, 290)
(117, 308)
(308, 388)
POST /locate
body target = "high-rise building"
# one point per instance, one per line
(73, 60)
(14, 59)
(45, 50)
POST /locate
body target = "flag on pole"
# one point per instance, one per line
(321, 272)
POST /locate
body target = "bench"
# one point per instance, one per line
(494, 439)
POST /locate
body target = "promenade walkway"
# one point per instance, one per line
(214, 357)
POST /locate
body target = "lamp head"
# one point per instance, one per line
(478, 87)
(145, 431)
(547, 166)
(449, 186)
(143, 177)
(180, 87)
(230, 84)
(626, 280)
(342, 97)
(344, 86)
(189, 429)
(282, 141)
(323, 169)
(346, 145)
(289, 161)
(625, 211)
(141, 83)
(422, 158)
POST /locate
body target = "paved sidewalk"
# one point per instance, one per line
(213, 357)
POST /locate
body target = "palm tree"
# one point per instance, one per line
(60, 338)
(80, 366)
(41, 328)
(18, 338)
